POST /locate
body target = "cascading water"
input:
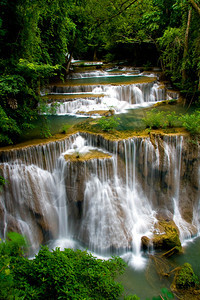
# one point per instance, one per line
(106, 202)
(119, 97)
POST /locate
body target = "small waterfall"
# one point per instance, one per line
(120, 98)
(74, 106)
(29, 202)
(179, 221)
(43, 156)
(173, 159)
(150, 91)
(196, 208)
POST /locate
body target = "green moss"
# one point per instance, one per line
(166, 236)
(186, 278)
(93, 154)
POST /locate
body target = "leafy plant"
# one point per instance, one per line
(108, 123)
(154, 119)
(13, 246)
(191, 122)
(44, 129)
(2, 182)
(165, 294)
(131, 297)
(171, 119)
(56, 274)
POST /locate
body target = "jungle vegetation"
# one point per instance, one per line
(39, 37)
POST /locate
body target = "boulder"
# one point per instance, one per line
(165, 236)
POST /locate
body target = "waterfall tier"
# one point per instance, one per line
(108, 202)
(118, 97)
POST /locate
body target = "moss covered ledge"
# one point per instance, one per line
(92, 154)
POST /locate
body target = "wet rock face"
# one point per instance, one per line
(80, 167)
(78, 172)
(167, 169)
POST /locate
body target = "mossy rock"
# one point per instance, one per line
(92, 154)
(186, 283)
(166, 235)
(185, 277)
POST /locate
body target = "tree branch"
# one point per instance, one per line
(122, 9)
(195, 6)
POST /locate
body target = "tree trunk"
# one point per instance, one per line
(95, 55)
(68, 62)
(184, 75)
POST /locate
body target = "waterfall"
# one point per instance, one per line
(29, 202)
(119, 97)
(86, 191)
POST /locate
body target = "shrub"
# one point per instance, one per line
(191, 122)
(131, 297)
(154, 119)
(171, 119)
(58, 274)
(13, 247)
(108, 123)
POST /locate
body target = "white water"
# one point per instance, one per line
(119, 199)
(119, 97)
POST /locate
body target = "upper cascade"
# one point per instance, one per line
(100, 90)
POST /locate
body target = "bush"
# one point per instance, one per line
(108, 123)
(171, 119)
(13, 246)
(154, 119)
(191, 122)
(58, 274)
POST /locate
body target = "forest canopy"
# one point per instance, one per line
(39, 37)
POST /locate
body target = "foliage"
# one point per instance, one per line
(131, 297)
(8, 127)
(186, 277)
(154, 119)
(108, 123)
(2, 182)
(165, 293)
(36, 74)
(58, 274)
(171, 119)
(65, 128)
(38, 38)
(13, 246)
(33, 44)
(18, 107)
(171, 44)
(191, 122)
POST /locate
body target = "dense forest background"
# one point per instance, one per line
(39, 37)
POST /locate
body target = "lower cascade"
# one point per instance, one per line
(112, 197)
